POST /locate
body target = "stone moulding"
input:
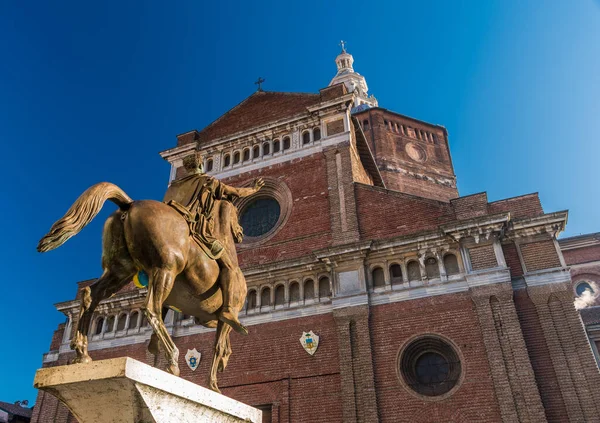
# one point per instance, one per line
(128, 391)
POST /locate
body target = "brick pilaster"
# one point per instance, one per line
(514, 380)
(359, 400)
(574, 370)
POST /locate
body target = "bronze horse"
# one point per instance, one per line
(151, 236)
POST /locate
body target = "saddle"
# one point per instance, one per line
(198, 225)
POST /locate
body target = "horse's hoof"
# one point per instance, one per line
(213, 387)
(173, 369)
(82, 360)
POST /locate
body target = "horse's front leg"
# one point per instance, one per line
(104, 287)
(159, 287)
(221, 351)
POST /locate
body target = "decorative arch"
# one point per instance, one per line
(378, 277)
(413, 270)
(279, 295)
(294, 292)
(309, 289)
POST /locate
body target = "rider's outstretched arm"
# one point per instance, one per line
(243, 192)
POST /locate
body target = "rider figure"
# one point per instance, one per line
(194, 197)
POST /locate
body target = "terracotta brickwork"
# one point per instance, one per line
(454, 318)
(511, 255)
(520, 207)
(449, 269)
(540, 255)
(470, 206)
(308, 227)
(384, 213)
(483, 257)
(412, 156)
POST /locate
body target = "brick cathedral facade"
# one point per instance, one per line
(429, 307)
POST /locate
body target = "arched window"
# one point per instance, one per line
(582, 287)
(121, 322)
(413, 270)
(309, 289)
(306, 138)
(396, 273)
(246, 155)
(133, 320)
(451, 264)
(294, 292)
(251, 300)
(286, 143)
(226, 160)
(431, 268)
(236, 157)
(99, 324)
(255, 152)
(276, 146)
(209, 165)
(265, 297)
(279, 295)
(110, 324)
(316, 134)
(366, 124)
(324, 288)
(144, 321)
(378, 277)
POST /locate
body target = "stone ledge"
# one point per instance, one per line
(126, 390)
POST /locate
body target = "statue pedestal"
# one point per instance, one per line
(128, 391)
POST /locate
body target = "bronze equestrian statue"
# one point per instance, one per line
(186, 246)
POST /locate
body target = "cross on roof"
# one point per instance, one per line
(258, 82)
(343, 45)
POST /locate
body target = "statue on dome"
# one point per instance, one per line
(182, 249)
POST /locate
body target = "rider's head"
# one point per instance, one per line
(193, 164)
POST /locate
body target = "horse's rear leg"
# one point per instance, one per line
(221, 355)
(109, 283)
(153, 344)
(159, 287)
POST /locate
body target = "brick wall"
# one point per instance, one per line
(453, 317)
(483, 257)
(385, 214)
(520, 207)
(470, 206)
(399, 171)
(540, 255)
(539, 355)
(513, 262)
(582, 255)
(308, 227)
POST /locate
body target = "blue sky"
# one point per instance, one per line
(92, 92)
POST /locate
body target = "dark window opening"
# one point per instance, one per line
(317, 134)
(306, 138)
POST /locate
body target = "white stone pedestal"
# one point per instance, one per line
(128, 391)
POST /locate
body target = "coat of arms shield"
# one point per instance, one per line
(310, 342)
(192, 358)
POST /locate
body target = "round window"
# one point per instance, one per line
(430, 366)
(260, 216)
(582, 287)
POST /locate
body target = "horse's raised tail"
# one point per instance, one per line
(82, 212)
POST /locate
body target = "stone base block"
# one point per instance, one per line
(128, 391)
